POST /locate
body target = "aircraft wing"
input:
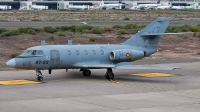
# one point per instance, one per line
(146, 67)
(93, 65)
(129, 65)
(123, 65)
(154, 34)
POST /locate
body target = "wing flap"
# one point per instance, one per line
(146, 67)
(123, 65)
(92, 65)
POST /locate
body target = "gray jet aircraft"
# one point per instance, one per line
(102, 56)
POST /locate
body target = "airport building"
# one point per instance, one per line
(64, 4)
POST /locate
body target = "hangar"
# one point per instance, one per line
(63, 4)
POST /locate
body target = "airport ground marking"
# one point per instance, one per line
(25, 82)
(155, 88)
(18, 82)
(152, 75)
(79, 80)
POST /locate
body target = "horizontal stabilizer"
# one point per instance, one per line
(146, 67)
(155, 34)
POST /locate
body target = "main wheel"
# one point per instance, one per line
(87, 72)
(40, 78)
(109, 76)
(83, 72)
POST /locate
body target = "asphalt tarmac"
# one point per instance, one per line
(130, 91)
(38, 24)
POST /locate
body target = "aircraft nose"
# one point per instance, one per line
(11, 63)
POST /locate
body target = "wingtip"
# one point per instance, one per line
(176, 68)
(164, 18)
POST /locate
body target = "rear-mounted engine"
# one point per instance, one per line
(126, 55)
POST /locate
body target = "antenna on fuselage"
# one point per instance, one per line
(69, 42)
(43, 43)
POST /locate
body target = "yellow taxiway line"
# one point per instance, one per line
(18, 82)
(150, 75)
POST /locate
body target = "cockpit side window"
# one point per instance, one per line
(34, 52)
(27, 53)
(40, 52)
(23, 53)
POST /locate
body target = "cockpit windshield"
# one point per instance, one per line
(32, 53)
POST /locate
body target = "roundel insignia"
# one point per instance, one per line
(128, 55)
(47, 57)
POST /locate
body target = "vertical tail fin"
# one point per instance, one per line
(150, 35)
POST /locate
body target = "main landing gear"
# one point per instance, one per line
(86, 72)
(39, 75)
(109, 74)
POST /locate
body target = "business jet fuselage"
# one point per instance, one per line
(99, 56)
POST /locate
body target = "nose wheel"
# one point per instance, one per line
(39, 75)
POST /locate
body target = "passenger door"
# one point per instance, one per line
(54, 59)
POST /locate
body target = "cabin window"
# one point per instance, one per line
(93, 51)
(77, 52)
(85, 52)
(69, 52)
(102, 52)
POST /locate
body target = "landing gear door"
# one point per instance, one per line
(54, 59)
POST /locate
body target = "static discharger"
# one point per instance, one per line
(151, 75)
(18, 82)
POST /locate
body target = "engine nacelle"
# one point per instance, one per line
(126, 55)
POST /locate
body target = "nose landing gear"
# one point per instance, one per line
(39, 75)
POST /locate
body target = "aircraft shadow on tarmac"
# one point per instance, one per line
(98, 77)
